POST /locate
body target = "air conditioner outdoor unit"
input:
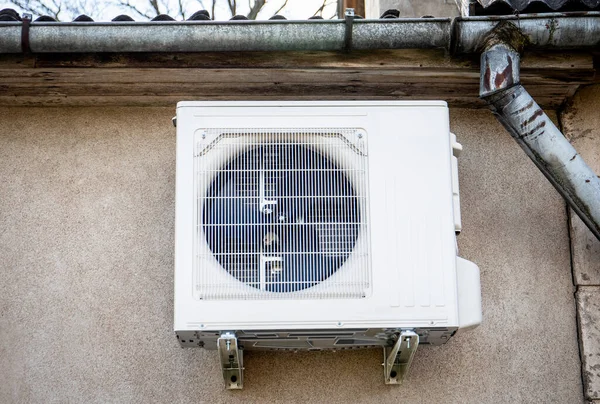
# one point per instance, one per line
(319, 225)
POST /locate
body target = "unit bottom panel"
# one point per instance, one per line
(312, 340)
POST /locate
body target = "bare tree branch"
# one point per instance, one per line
(181, 9)
(57, 7)
(76, 8)
(127, 4)
(282, 7)
(232, 6)
(147, 9)
(155, 6)
(94, 8)
(212, 7)
(35, 7)
(319, 11)
(255, 9)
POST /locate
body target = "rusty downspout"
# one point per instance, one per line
(543, 142)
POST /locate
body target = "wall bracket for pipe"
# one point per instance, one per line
(26, 23)
(349, 19)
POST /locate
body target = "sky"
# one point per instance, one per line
(107, 10)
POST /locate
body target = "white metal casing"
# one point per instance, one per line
(414, 281)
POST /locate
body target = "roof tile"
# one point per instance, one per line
(483, 7)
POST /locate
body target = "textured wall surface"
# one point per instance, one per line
(581, 123)
(86, 278)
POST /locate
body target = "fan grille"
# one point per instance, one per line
(282, 213)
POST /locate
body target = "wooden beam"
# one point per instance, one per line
(164, 79)
(54, 77)
(549, 102)
(379, 59)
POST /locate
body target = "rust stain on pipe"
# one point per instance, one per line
(532, 118)
(505, 75)
(535, 129)
(487, 76)
(525, 108)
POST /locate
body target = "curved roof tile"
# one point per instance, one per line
(487, 7)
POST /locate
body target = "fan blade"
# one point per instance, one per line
(312, 195)
(231, 221)
(302, 264)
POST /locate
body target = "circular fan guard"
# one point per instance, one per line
(281, 218)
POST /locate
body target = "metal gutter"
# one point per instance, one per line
(533, 130)
(547, 31)
(461, 35)
(230, 36)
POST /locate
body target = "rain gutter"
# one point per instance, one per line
(460, 35)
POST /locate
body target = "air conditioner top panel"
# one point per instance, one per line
(436, 103)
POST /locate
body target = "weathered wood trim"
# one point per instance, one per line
(163, 79)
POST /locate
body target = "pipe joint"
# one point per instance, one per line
(500, 58)
(505, 33)
(499, 69)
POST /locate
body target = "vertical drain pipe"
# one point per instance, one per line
(541, 140)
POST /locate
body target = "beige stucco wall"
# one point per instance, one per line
(86, 288)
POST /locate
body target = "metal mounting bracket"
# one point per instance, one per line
(397, 359)
(231, 360)
(349, 19)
